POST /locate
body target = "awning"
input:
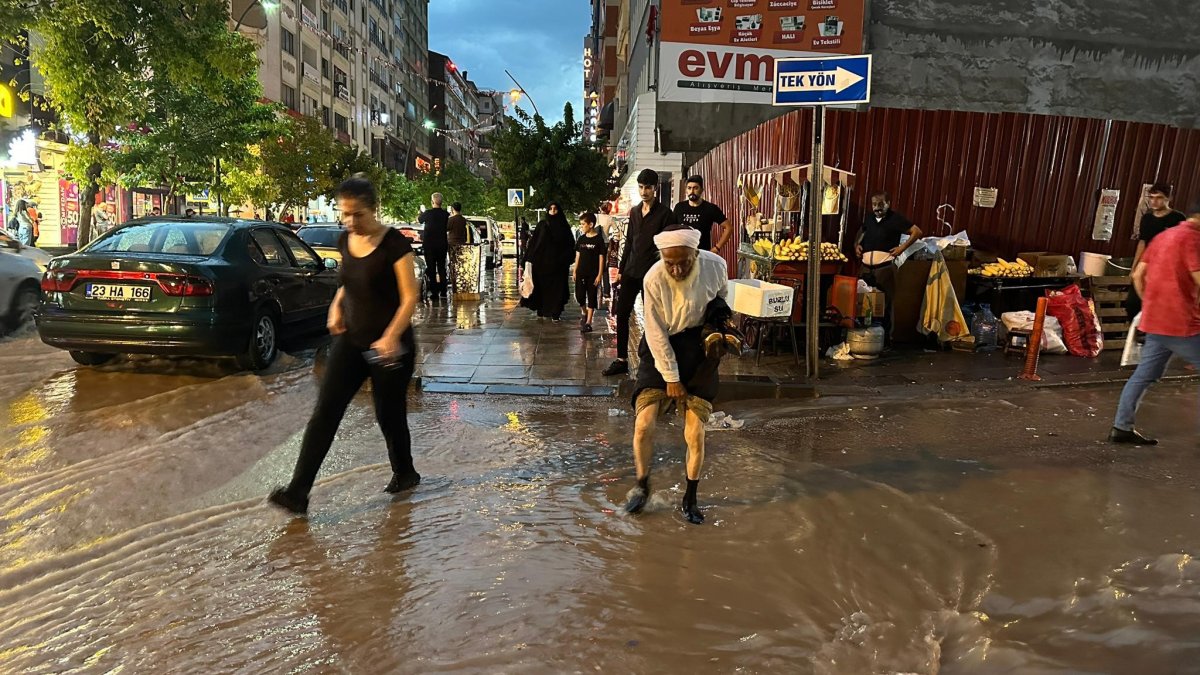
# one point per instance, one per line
(607, 116)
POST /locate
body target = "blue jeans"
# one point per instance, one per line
(1157, 351)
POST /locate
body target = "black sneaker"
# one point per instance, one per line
(1130, 437)
(297, 506)
(586, 328)
(402, 482)
(618, 367)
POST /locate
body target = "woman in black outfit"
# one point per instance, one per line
(551, 252)
(371, 321)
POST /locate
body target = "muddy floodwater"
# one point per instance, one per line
(979, 534)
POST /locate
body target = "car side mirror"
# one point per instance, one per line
(331, 264)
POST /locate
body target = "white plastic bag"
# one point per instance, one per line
(1052, 339)
(527, 281)
(1132, 354)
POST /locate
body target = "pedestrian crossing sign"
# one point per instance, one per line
(516, 198)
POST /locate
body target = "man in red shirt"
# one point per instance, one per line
(1168, 280)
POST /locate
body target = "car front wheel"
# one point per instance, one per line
(263, 345)
(91, 358)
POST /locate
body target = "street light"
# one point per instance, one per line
(267, 5)
(521, 90)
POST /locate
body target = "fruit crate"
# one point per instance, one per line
(1108, 296)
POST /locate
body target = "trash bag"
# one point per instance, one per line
(1132, 354)
(1081, 328)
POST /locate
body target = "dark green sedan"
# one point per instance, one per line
(186, 287)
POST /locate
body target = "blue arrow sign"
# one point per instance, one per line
(516, 197)
(823, 80)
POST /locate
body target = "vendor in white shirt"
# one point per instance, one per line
(682, 294)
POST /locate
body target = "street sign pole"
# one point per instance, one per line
(816, 186)
(818, 82)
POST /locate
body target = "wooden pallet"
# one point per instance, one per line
(1108, 295)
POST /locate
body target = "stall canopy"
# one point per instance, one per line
(785, 186)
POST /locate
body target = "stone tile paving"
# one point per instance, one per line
(495, 346)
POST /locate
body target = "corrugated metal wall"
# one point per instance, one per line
(1048, 171)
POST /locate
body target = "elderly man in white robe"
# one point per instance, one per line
(686, 330)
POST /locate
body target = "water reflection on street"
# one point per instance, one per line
(989, 535)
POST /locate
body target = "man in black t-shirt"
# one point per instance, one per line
(1158, 218)
(702, 215)
(884, 227)
(437, 247)
(881, 232)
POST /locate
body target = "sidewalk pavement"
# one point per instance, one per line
(494, 346)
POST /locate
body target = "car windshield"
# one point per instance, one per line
(326, 237)
(169, 237)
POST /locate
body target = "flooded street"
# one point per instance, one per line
(988, 534)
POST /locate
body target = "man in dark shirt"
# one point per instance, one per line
(699, 214)
(1159, 217)
(881, 232)
(884, 227)
(647, 219)
(437, 247)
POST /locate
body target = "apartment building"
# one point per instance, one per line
(454, 112)
(359, 66)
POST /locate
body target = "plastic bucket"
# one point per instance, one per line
(1094, 264)
(1119, 267)
(865, 341)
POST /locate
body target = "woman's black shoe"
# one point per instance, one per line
(297, 506)
(1130, 437)
(400, 483)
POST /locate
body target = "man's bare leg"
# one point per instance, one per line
(693, 433)
(643, 452)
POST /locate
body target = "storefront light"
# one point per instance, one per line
(22, 149)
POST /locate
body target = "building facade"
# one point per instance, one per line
(454, 112)
(358, 66)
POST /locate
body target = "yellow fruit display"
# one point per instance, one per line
(1002, 269)
(797, 249)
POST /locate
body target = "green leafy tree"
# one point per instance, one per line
(349, 160)
(101, 60)
(554, 160)
(185, 132)
(299, 161)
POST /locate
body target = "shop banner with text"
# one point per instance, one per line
(725, 50)
(68, 211)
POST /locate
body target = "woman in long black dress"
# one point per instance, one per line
(371, 321)
(551, 252)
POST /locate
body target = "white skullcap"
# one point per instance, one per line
(684, 236)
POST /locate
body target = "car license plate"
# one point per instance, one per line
(117, 292)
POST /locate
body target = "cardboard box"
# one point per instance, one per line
(1046, 264)
(874, 301)
(760, 298)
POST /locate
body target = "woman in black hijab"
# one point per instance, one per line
(551, 252)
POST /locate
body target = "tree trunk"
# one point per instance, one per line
(87, 197)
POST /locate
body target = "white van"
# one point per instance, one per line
(489, 233)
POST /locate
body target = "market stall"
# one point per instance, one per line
(775, 251)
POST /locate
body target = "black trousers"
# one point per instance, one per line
(627, 295)
(586, 293)
(345, 372)
(436, 270)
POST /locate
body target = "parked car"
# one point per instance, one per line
(195, 287)
(489, 233)
(19, 289)
(323, 238)
(10, 244)
(414, 232)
